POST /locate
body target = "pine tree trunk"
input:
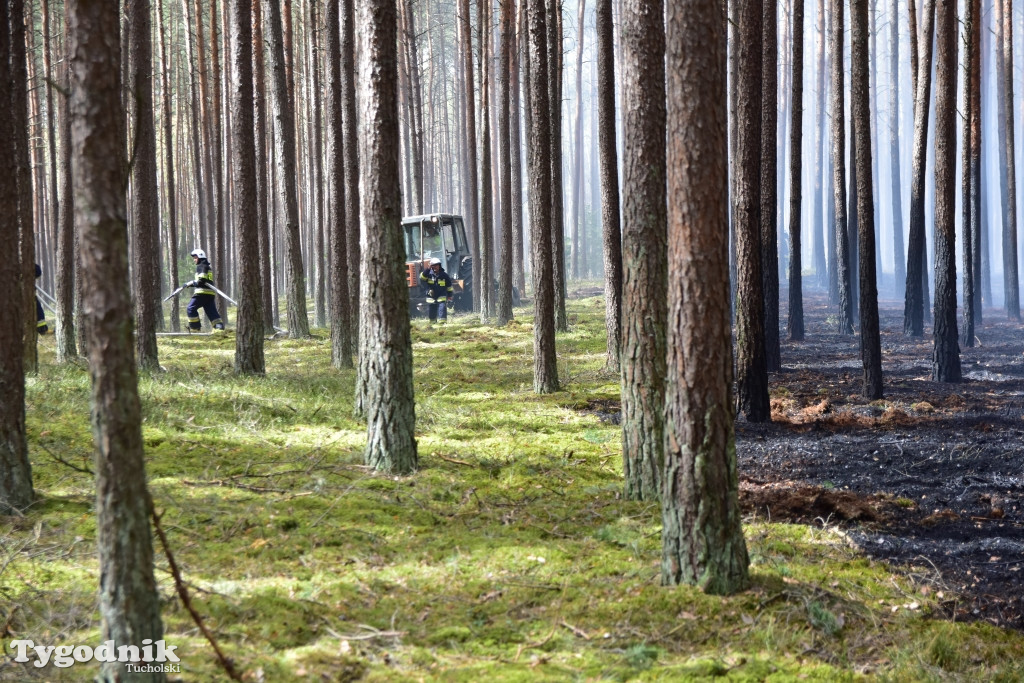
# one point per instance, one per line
(263, 191)
(554, 28)
(769, 188)
(820, 227)
(545, 366)
(751, 368)
(340, 297)
(249, 358)
(518, 49)
(795, 323)
(577, 195)
(842, 243)
(284, 141)
(472, 216)
(870, 339)
(129, 600)
(968, 206)
(171, 249)
(1011, 282)
(484, 265)
(702, 535)
(16, 492)
(946, 358)
(505, 161)
(645, 265)
(67, 347)
(895, 185)
(23, 174)
(611, 234)
(351, 152)
(144, 219)
(974, 122)
(913, 314)
(385, 342)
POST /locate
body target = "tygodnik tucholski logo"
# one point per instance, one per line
(150, 657)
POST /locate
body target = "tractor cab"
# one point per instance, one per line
(443, 236)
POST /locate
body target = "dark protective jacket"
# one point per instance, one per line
(438, 286)
(204, 278)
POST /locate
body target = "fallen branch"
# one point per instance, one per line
(179, 584)
(374, 633)
(62, 461)
(233, 485)
(457, 462)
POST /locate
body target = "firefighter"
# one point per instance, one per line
(439, 289)
(41, 325)
(203, 297)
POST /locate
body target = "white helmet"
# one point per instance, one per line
(198, 253)
(435, 261)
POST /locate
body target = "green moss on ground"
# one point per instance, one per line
(510, 556)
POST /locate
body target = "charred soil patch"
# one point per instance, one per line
(930, 477)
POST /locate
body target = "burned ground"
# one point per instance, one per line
(930, 477)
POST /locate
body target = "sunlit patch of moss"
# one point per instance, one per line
(509, 556)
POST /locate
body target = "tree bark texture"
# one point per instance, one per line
(702, 535)
(263, 191)
(896, 186)
(769, 185)
(249, 358)
(972, 226)
(577, 176)
(351, 152)
(505, 161)
(67, 347)
(385, 356)
(144, 219)
(968, 201)
(836, 100)
(484, 265)
(23, 174)
(819, 226)
(870, 338)
(129, 600)
(644, 236)
(751, 367)
(913, 312)
(171, 250)
(946, 356)
(554, 27)
(1011, 281)
(545, 364)
(610, 227)
(341, 322)
(795, 323)
(284, 141)
(472, 216)
(15, 471)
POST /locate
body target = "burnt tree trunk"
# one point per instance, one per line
(896, 186)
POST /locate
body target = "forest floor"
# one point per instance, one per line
(884, 537)
(930, 477)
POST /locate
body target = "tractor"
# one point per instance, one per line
(443, 236)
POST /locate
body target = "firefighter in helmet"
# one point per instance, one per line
(204, 296)
(439, 289)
